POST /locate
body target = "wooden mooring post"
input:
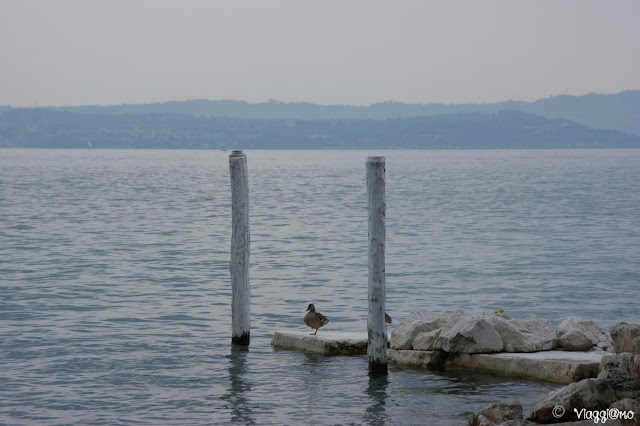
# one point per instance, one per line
(376, 325)
(239, 264)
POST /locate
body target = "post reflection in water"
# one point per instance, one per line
(377, 391)
(238, 387)
(316, 382)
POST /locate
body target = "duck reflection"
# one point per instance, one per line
(238, 386)
(314, 359)
(377, 391)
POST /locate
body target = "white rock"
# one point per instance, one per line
(497, 413)
(622, 372)
(531, 334)
(575, 340)
(605, 346)
(466, 334)
(499, 312)
(628, 405)
(418, 321)
(626, 337)
(576, 334)
(590, 394)
(427, 341)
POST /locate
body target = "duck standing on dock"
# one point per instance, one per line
(315, 319)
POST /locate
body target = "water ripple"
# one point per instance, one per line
(114, 281)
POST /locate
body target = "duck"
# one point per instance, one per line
(387, 318)
(315, 319)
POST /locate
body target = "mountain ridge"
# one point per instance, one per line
(619, 111)
(54, 128)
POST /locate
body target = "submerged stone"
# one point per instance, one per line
(428, 360)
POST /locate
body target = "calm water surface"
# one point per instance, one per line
(114, 283)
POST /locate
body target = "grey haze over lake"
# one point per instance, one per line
(361, 52)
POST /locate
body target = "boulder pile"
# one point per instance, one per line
(613, 398)
(424, 330)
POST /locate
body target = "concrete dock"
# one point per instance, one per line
(325, 342)
(554, 366)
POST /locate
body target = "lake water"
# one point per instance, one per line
(115, 291)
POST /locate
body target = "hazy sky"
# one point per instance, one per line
(74, 52)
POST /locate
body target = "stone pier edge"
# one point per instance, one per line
(501, 364)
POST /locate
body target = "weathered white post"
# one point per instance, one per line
(376, 325)
(239, 264)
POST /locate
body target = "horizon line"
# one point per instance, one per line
(272, 101)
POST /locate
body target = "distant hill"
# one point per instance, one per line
(55, 128)
(620, 111)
